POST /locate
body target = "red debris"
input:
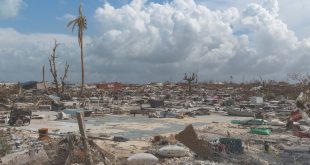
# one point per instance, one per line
(301, 134)
(296, 116)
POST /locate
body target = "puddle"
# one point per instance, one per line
(164, 126)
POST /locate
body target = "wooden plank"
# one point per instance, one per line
(190, 139)
(70, 149)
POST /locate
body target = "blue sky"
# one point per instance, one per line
(46, 16)
(137, 41)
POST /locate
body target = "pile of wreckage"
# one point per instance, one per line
(260, 141)
(28, 147)
(267, 138)
(253, 141)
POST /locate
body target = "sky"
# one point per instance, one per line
(140, 41)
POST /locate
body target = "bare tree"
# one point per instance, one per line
(53, 70)
(262, 81)
(189, 81)
(302, 78)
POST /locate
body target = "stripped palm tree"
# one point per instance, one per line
(80, 22)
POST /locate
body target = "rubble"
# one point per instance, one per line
(120, 139)
(276, 122)
(166, 121)
(25, 157)
(62, 116)
(172, 151)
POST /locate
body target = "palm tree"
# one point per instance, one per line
(80, 22)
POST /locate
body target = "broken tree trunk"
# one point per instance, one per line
(80, 119)
(70, 149)
(190, 139)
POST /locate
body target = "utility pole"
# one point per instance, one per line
(43, 79)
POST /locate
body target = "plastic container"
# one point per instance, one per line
(235, 121)
(260, 131)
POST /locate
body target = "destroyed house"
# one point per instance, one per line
(110, 86)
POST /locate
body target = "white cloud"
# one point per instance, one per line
(25, 54)
(66, 17)
(184, 36)
(224, 4)
(272, 6)
(293, 13)
(142, 42)
(9, 8)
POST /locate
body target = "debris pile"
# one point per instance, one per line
(156, 123)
